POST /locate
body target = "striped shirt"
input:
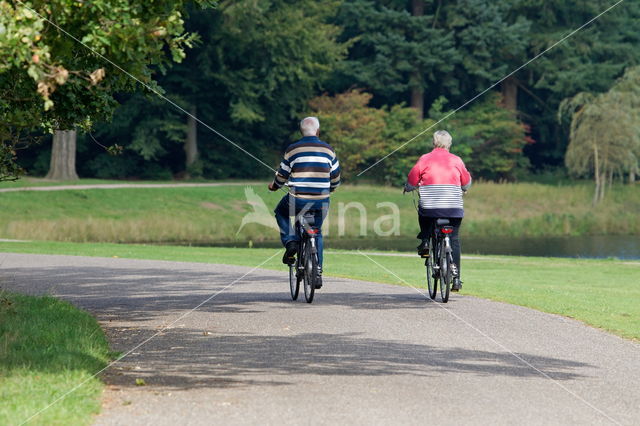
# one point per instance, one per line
(441, 177)
(311, 168)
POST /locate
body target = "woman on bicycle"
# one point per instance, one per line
(441, 178)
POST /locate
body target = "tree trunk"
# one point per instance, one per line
(603, 183)
(417, 96)
(417, 92)
(610, 180)
(596, 167)
(191, 144)
(632, 174)
(510, 93)
(63, 156)
(417, 7)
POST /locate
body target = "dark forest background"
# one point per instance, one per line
(376, 73)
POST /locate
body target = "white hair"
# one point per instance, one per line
(309, 126)
(442, 139)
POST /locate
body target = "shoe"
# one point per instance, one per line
(319, 279)
(290, 250)
(454, 270)
(457, 284)
(423, 248)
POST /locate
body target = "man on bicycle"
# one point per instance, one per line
(441, 178)
(311, 168)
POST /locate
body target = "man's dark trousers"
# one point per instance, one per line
(292, 206)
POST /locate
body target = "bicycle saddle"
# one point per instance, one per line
(309, 218)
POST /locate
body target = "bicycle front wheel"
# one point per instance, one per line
(310, 272)
(294, 281)
(429, 262)
(446, 275)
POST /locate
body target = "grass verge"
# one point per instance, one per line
(47, 347)
(601, 293)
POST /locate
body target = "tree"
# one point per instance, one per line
(588, 61)
(397, 54)
(492, 42)
(490, 139)
(49, 81)
(604, 134)
(22, 60)
(483, 41)
(260, 64)
(360, 134)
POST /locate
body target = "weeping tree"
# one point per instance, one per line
(605, 132)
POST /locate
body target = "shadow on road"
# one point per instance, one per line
(186, 359)
(131, 303)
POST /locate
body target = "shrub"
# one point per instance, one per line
(488, 137)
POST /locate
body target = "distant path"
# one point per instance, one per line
(124, 185)
(362, 353)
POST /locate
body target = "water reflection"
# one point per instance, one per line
(621, 247)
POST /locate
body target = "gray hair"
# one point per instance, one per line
(309, 126)
(442, 139)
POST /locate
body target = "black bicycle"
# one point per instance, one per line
(305, 267)
(441, 270)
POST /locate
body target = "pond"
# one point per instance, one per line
(621, 247)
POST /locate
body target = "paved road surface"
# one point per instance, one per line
(362, 353)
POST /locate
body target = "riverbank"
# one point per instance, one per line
(601, 293)
(243, 213)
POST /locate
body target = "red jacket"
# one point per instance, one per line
(442, 177)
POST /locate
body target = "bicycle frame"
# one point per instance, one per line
(306, 230)
(441, 234)
(307, 257)
(440, 261)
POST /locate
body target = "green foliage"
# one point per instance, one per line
(592, 58)
(9, 168)
(262, 60)
(588, 61)
(49, 81)
(489, 41)
(351, 127)
(359, 133)
(605, 135)
(259, 65)
(266, 49)
(389, 47)
(489, 138)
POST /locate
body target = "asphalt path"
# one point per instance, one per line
(362, 353)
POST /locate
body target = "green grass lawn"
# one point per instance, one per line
(601, 293)
(214, 214)
(47, 347)
(33, 181)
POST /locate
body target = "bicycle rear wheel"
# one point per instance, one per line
(310, 272)
(446, 275)
(294, 281)
(432, 281)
